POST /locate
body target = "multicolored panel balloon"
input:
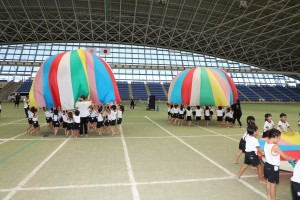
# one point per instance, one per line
(64, 77)
(290, 144)
(203, 86)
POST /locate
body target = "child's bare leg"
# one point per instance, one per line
(260, 174)
(273, 191)
(243, 168)
(238, 155)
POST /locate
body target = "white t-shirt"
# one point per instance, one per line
(271, 157)
(181, 112)
(65, 118)
(69, 120)
(55, 118)
(100, 117)
(25, 103)
(207, 113)
(198, 112)
(113, 115)
(251, 144)
(220, 113)
(172, 110)
(229, 114)
(189, 113)
(268, 125)
(119, 114)
(48, 113)
(76, 119)
(94, 113)
(284, 125)
(296, 174)
(176, 110)
(30, 114)
(83, 107)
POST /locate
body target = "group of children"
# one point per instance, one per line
(102, 119)
(250, 146)
(177, 114)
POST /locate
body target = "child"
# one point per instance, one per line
(113, 117)
(120, 111)
(242, 144)
(251, 157)
(189, 115)
(211, 111)
(76, 124)
(271, 168)
(55, 121)
(181, 115)
(69, 123)
(283, 125)
(30, 122)
(207, 115)
(100, 121)
(36, 125)
(48, 115)
(295, 182)
(198, 114)
(176, 113)
(228, 117)
(220, 113)
(171, 113)
(269, 124)
(93, 119)
(194, 112)
(65, 120)
(107, 119)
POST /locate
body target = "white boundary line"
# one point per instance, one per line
(33, 172)
(11, 122)
(211, 161)
(134, 190)
(220, 134)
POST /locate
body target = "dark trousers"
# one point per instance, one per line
(132, 105)
(26, 112)
(83, 124)
(295, 189)
(238, 118)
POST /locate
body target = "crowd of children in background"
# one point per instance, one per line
(177, 114)
(269, 174)
(102, 119)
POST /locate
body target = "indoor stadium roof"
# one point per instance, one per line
(262, 33)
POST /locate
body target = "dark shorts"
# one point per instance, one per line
(92, 119)
(180, 116)
(251, 159)
(242, 145)
(207, 118)
(48, 119)
(76, 126)
(271, 173)
(265, 134)
(36, 124)
(106, 123)
(169, 113)
(194, 112)
(112, 122)
(65, 124)
(55, 123)
(198, 118)
(61, 120)
(211, 112)
(69, 126)
(219, 118)
(295, 189)
(189, 118)
(228, 119)
(99, 124)
(175, 115)
(119, 121)
(17, 102)
(30, 121)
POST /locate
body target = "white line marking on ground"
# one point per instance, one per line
(134, 190)
(13, 138)
(33, 172)
(219, 134)
(11, 122)
(210, 160)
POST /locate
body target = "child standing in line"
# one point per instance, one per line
(211, 111)
(295, 182)
(228, 117)
(251, 157)
(271, 168)
(48, 115)
(171, 113)
(198, 114)
(69, 123)
(113, 121)
(120, 111)
(65, 121)
(176, 113)
(194, 112)
(100, 121)
(36, 126)
(220, 112)
(283, 125)
(30, 122)
(181, 115)
(76, 124)
(269, 124)
(207, 115)
(55, 121)
(93, 119)
(242, 144)
(189, 115)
